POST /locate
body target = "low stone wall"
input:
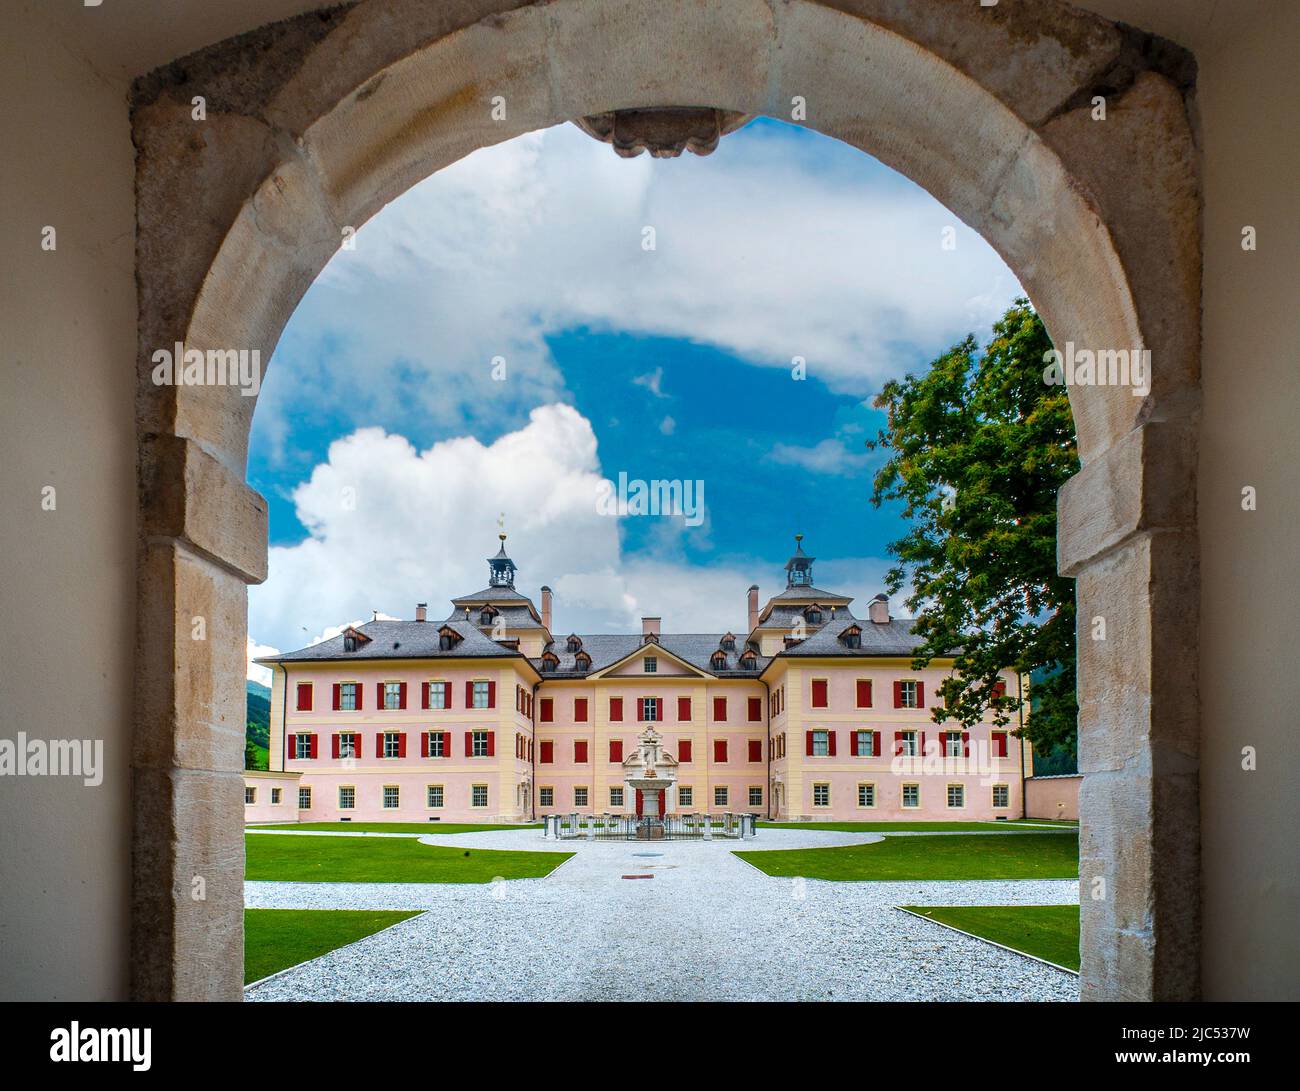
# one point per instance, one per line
(1053, 797)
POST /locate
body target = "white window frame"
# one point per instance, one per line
(393, 742)
(952, 744)
(824, 788)
(432, 792)
(721, 796)
(821, 743)
(276, 796)
(586, 795)
(752, 789)
(474, 790)
(479, 689)
(352, 804)
(1005, 789)
(911, 742)
(301, 746)
(437, 695)
(960, 789)
(542, 790)
(902, 796)
(304, 793)
(439, 739)
(348, 691)
(650, 705)
(685, 795)
(478, 744)
(909, 691)
(616, 797)
(651, 664)
(393, 692)
(396, 797)
(250, 796)
(869, 788)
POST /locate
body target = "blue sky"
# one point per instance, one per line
(389, 450)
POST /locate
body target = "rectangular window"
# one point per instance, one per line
(433, 795)
(651, 664)
(907, 740)
(304, 799)
(438, 694)
(580, 751)
(720, 709)
(908, 694)
(347, 797)
(999, 739)
(616, 797)
(1001, 795)
(478, 795)
(650, 709)
(821, 795)
(956, 795)
(392, 695)
(392, 744)
(580, 710)
(684, 750)
(756, 797)
(275, 796)
(820, 698)
(479, 744)
(755, 749)
(862, 747)
(480, 697)
(348, 745)
(304, 696)
(546, 710)
(864, 693)
(437, 744)
(616, 709)
(685, 797)
(719, 797)
(720, 750)
(580, 796)
(392, 797)
(616, 750)
(683, 709)
(911, 795)
(348, 696)
(546, 797)
(302, 746)
(755, 706)
(952, 744)
(547, 755)
(250, 795)
(821, 744)
(866, 795)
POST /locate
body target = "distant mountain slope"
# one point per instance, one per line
(257, 732)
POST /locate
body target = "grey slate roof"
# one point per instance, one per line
(892, 639)
(814, 593)
(608, 648)
(401, 640)
(519, 616)
(492, 594)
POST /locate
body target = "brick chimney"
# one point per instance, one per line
(546, 608)
(421, 611)
(650, 626)
(878, 610)
(753, 607)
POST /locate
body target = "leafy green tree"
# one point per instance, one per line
(978, 448)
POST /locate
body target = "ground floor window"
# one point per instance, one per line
(347, 797)
(250, 795)
(434, 795)
(685, 797)
(478, 795)
(275, 795)
(821, 795)
(756, 797)
(392, 796)
(956, 795)
(1001, 795)
(719, 797)
(866, 795)
(911, 795)
(546, 797)
(616, 797)
(304, 799)
(580, 796)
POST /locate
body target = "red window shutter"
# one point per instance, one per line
(720, 750)
(401, 745)
(999, 745)
(922, 744)
(304, 696)
(808, 743)
(683, 708)
(755, 709)
(401, 694)
(875, 744)
(469, 744)
(492, 695)
(616, 750)
(424, 695)
(379, 695)
(684, 750)
(898, 741)
(425, 738)
(616, 709)
(830, 741)
(854, 737)
(469, 694)
(720, 709)
(291, 745)
(360, 689)
(547, 710)
(548, 752)
(864, 693)
(819, 699)
(492, 744)
(580, 710)
(999, 689)
(580, 751)
(965, 744)
(334, 746)
(755, 750)
(898, 694)
(338, 700)
(920, 695)
(379, 745)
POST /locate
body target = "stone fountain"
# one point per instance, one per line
(651, 771)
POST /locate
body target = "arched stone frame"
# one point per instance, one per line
(314, 124)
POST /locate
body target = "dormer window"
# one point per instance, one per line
(485, 618)
(574, 643)
(852, 637)
(353, 639)
(813, 614)
(448, 638)
(747, 660)
(728, 643)
(582, 661)
(719, 660)
(550, 661)
(349, 643)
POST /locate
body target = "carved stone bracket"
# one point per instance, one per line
(664, 131)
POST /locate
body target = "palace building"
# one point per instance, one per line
(493, 715)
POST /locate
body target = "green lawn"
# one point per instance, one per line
(385, 860)
(1025, 856)
(920, 827)
(275, 939)
(388, 827)
(1048, 932)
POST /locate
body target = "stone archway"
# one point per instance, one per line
(313, 124)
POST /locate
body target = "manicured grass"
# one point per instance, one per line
(1048, 932)
(1026, 856)
(385, 860)
(896, 827)
(388, 827)
(275, 939)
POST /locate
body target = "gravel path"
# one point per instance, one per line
(707, 926)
